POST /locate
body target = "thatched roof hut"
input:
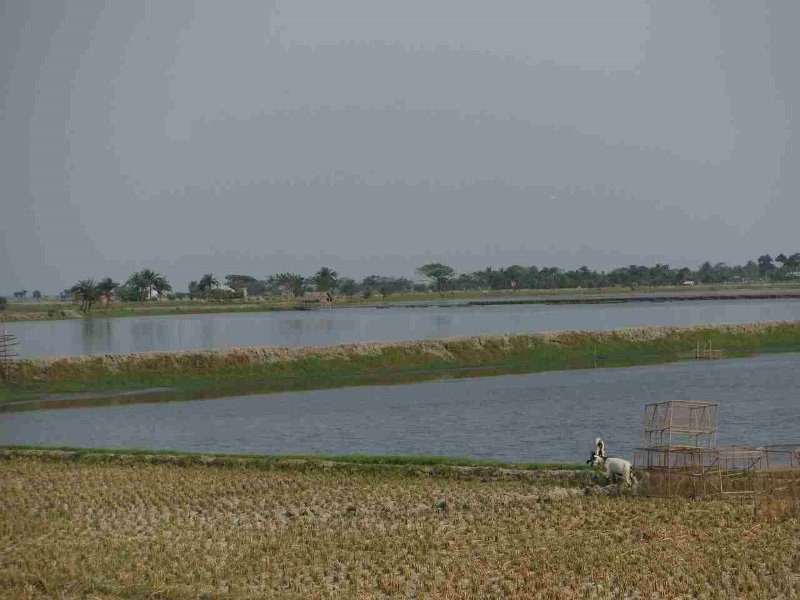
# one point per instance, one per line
(317, 298)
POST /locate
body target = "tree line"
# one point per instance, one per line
(148, 284)
(764, 268)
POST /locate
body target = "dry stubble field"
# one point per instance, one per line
(73, 529)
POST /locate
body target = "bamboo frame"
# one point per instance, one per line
(8, 355)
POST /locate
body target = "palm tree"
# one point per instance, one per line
(147, 280)
(86, 291)
(137, 282)
(207, 283)
(105, 287)
(161, 285)
(325, 279)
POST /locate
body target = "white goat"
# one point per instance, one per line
(615, 467)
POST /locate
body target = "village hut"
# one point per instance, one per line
(317, 298)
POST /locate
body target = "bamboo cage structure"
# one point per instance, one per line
(680, 424)
(8, 355)
(707, 352)
(780, 457)
(679, 456)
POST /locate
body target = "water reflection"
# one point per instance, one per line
(96, 336)
(441, 326)
(308, 324)
(149, 334)
(207, 339)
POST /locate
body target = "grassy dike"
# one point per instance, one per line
(271, 369)
(415, 465)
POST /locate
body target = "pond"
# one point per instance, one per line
(343, 325)
(538, 417)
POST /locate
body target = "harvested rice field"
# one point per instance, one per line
(135, 527)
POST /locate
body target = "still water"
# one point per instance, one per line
(342, 325)
(543, 416)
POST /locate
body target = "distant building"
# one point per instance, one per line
(321, 298)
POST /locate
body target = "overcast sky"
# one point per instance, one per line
(376, 135)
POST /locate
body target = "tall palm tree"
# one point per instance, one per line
(147, 280)
(207, 283)
(105, 287)
(326, 279)
(137, 282)
(161, 285)
(86, 291)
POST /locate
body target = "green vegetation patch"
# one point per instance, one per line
(265, 369)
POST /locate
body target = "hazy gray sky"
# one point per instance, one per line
(373, 136)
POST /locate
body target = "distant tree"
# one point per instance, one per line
(161, 285)
(240, 283)
(86, 292)
(789, 265)
(348, 287)
(106, 286)
(550, 277)
(439, 273)
(684, 274)
(488, 278)
(325, 279)
(750, 270)
(138, 284)
(37, 295)
(129, 293)
(765, 265)
(514, 276)
(207, 283)
(20, 295)
(105, 289)
(586, 277)
(466, 281)
(704, 273)
(386, 286)
(146, 281)
(194, 289)
(138, 281)
(288, 283)
(3, 302)
(787, 261)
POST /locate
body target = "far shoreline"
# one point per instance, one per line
(57, 311)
